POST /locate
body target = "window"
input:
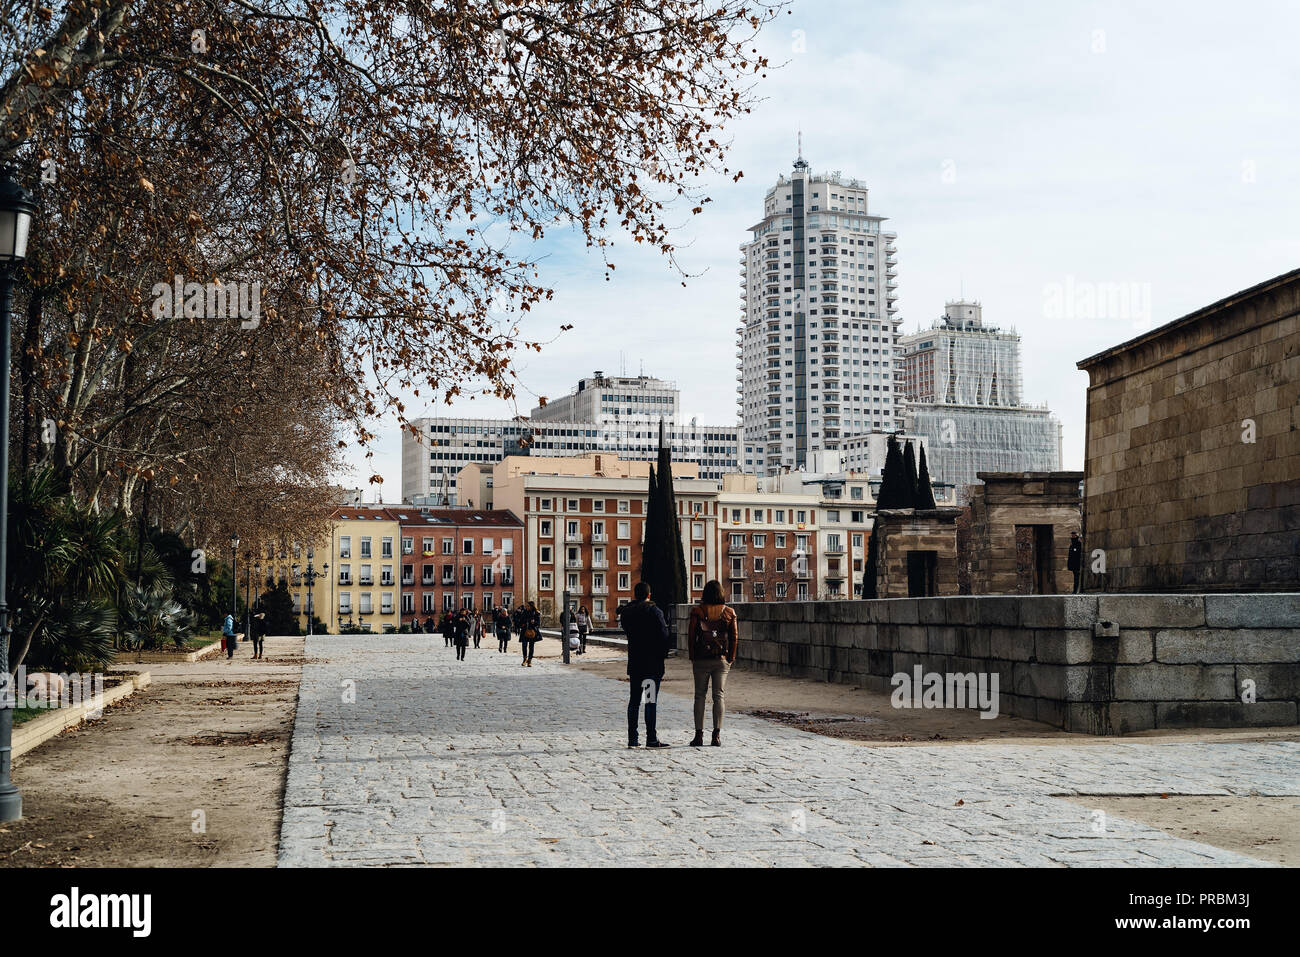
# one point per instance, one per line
(760, 541)
(545, 531)
(544, 581)
(386, 575)
(758, 563)
(365, 546)
(546, 505)
(780, 588)
(780, 516)
(467, 602)
(345, 574)
(801, 516)
(624, 555)
(780, 540)
(345, 603)
(408, 546)
(487, 575)
(426, 602)
(408, 603)
(624, 529)
(697, 581)
(467, 575)
(367, 607)
(832, 515)
(345, 546)
(697, 530)
(598, 505)
(487, 546)
(449, 574)
(427, 546)
(386, 547)
(545, 555)
(448, 546)
(467, 546)
(448, 601)
(573, 505)
(624, 581)
(758, 515)
(780, 566)
(367, 575)
(697, 556)
(624, 506)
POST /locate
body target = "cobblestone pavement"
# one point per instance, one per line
(483, 762)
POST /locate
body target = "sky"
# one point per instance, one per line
(1086, 171)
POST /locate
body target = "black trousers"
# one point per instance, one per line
(638, 692)
(528, 648)
(257, 646)
(582, 637)
(503, 642)
(1077, 575)
(460, 652)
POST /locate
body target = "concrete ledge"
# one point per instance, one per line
(159, 658)
(33, 733)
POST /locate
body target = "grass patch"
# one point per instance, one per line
(26, 714)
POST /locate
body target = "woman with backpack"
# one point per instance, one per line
(532, 621)
(713, 636)
(584, 625)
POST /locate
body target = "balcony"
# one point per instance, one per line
(573, 563)
(449, 580)
(599, 537)
(361, 581)
(833, 550)
(345, 609)
(737, 549)
(575, 589)
(408, 581)
(427, 582)
(345, 579)
(386, 582)
(599, 563)
(345, 554)
(600, 589)
(575, 537)
(736, 574)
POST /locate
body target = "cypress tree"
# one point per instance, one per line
(913, 480)
(649, 546)
(895, 488)
(924, 491)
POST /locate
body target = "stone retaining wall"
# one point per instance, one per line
(1107, 664)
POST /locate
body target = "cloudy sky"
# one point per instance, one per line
(1025, 153)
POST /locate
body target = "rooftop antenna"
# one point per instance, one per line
(800, 163)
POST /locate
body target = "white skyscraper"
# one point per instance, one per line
(817, 343)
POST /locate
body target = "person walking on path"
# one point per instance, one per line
(1074, 561)
(476, 628)
(448, 629)
(228, 635)
(647, 645)
(502, 625)
(532, 622)
(429, 626)
(462, 635)
(712, 638)
(257, 632)
(584, 625)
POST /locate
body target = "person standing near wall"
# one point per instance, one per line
(1074, 561)
(712, 638)
(647, 644)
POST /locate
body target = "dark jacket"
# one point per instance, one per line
(647, 639)
(1075, 559)
(532, 619)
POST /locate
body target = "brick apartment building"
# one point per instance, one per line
(584, 524)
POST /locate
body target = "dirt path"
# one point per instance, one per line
(188, 773)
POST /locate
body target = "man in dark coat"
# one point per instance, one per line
(647, 645)
(1074, 561)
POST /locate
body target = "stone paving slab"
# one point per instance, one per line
(485, 763)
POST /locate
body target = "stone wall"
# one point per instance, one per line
(1107, 664)
(905, 530)
(1004, 500)
(1193, 450)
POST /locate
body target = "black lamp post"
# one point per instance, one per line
(309, 578)
(248, 594)
(234, 578)
(16, 209)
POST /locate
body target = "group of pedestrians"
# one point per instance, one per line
(713, 636)
(256, 634)
(461, 627)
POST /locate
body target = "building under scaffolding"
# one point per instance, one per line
(962, 384)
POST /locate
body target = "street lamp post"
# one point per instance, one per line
(234, 578)
(16, 208)
(248, 594)
(309, 577)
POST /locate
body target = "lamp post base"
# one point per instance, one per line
(11, 801)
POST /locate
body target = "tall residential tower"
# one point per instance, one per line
(817, 340)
